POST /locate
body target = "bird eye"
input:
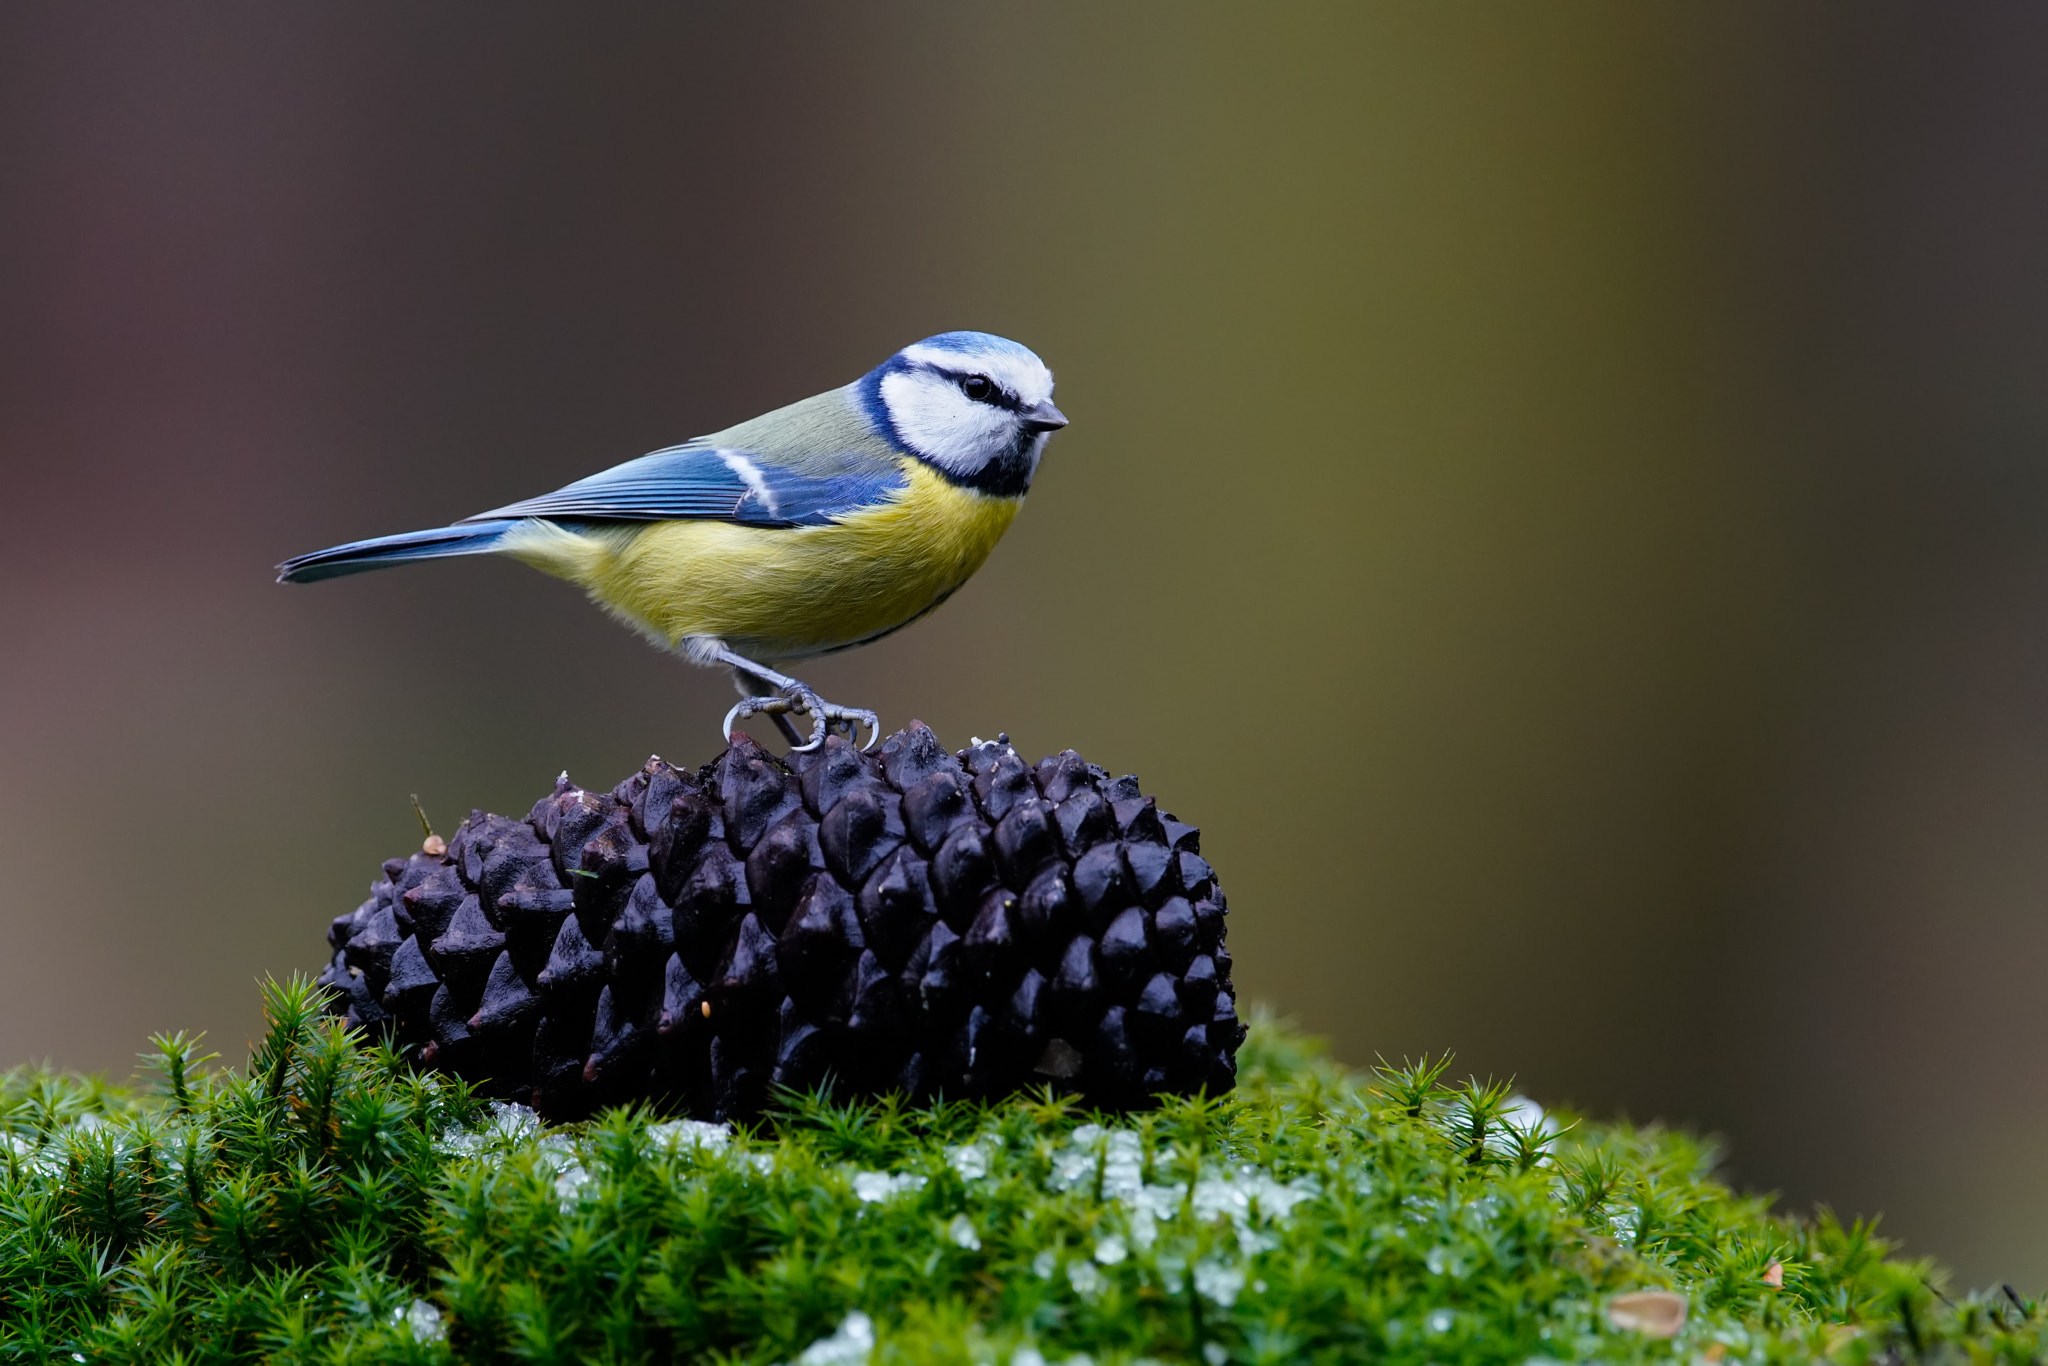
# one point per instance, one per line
(980, 388)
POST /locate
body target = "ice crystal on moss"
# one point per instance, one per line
(682, 1135)
(1086, 1279)
(871, 1188)
(423, 1321)
(851, 1344)
(1220, 1281)
(970, 1160)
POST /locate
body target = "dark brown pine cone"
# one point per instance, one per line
(908, 920)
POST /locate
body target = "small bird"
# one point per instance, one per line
(813, 528)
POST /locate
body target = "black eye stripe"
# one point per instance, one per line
(982, 389)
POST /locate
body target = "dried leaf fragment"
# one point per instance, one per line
(1774, 1274)
(1653, 1313)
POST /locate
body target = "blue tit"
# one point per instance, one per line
(817, 527)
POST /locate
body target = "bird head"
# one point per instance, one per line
(976, 407)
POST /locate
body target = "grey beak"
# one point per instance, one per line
(1043, 417)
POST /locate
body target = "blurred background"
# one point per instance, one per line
(1556, 493)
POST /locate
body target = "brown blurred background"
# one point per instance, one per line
(1557, 493)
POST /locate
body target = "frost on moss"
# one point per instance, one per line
(327, 1204)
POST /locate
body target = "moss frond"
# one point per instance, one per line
(329, 1205)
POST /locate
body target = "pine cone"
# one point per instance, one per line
(906, 920)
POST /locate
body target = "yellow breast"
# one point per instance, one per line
(790, 593)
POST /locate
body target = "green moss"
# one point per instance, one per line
(326, 1204)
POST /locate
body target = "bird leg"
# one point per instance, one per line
(790, 695)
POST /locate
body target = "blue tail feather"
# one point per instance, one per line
(474, 538)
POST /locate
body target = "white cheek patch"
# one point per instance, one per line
(943, 424)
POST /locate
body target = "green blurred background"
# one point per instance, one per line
(1554, 491)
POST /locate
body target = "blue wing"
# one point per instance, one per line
(714, 483)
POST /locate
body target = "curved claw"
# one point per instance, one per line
(755, 706)
(827, 715)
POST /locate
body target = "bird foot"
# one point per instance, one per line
(828, 716)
